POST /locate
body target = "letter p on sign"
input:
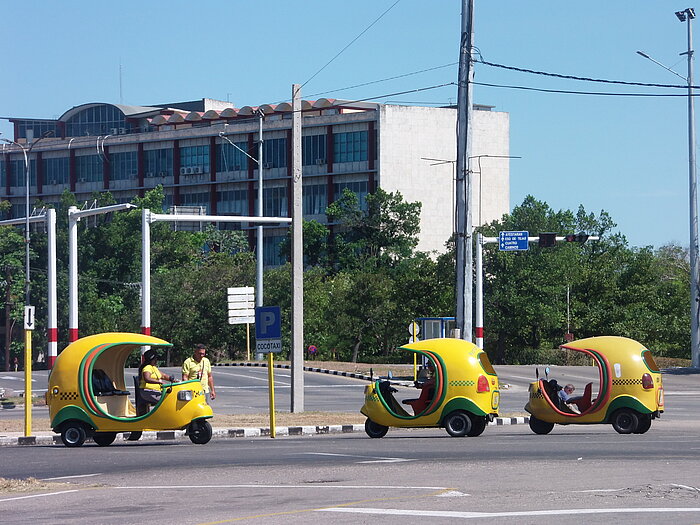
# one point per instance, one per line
(267, 322)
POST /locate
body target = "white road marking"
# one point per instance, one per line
(314, 486)
(16, 378)
(369, 459)
(71, 477)
(38, 495)
(452, 494)
(486, 515)
(250, 377)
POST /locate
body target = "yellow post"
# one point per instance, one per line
(271, 387)
(27, 383)
(247, 341)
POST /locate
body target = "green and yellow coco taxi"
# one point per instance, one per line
(629, 393)
(460, 395)
(87, 395)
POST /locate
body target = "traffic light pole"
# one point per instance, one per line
(480, 241)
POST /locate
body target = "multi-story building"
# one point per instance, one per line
(128, 150)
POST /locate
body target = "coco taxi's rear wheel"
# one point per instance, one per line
(540, 427)
(73, 434)
(375, 430)
(200, 432)
(625, 421)
(458, 424)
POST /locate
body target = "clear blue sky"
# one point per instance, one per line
(625, 155)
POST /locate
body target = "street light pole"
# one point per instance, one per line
(28, 310)
(687, 15)
(683, 16)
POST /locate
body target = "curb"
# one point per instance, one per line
(228, 433)
(306, 369)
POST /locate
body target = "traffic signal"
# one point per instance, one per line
(576, 237)
(547, 240)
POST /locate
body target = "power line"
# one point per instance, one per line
(351, 43)
(585, 79)
(596, 93)
(382, 80)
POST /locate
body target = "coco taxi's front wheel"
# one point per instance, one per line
(375, 430)
(200, 432)
(540, 427)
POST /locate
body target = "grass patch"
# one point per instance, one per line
(27, 485)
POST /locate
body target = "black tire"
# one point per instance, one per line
(135, 435)
(104, 439)
(375, 430)
(458, 424)
(540, 427)
(625, 421)
(478, 426)
(200, 432)
(643, 425)
(73, 434)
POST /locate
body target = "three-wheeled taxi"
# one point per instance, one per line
(629, 395)
(87, 395)
(460, 395)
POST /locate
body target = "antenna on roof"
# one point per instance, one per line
(121, 98)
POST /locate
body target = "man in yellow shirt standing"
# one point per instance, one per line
(199, 367)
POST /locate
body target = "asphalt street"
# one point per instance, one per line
(587, 474)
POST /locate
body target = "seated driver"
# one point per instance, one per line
(566, 394)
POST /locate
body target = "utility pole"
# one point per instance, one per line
(260, 212)
(687, 16)
(297, 350)
(463, 197)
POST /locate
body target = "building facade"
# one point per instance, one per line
(204, 154)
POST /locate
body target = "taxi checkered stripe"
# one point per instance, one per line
(536, 395)
(68, 396)
(622, 382)
(372, 398)
(461, 383)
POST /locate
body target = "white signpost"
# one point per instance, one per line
(241, 310)
(241, 305)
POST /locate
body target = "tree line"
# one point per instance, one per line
(364, 282)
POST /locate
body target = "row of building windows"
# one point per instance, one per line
(348, 147)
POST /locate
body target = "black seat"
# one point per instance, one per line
(102, 385)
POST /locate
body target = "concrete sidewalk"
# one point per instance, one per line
(49, 438)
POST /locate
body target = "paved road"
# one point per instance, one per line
(243, 390)
(507, 475)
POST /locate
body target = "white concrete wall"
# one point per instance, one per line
(409, 134)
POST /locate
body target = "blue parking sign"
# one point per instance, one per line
(267, 322)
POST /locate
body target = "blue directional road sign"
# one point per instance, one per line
(512, 241)
(268, 332)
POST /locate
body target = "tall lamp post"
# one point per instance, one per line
(28, 310)
(687, 15)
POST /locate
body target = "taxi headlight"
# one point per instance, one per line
(184, 395)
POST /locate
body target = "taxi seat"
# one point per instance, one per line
(584, 402)
(421, 403)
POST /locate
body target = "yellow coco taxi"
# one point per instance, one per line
(629, 394)
(460, 393)
(87, 395)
